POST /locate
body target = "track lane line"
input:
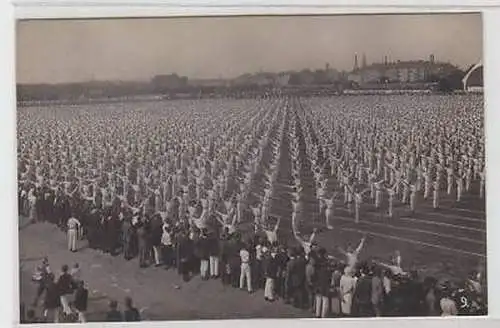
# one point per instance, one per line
(414, 230)
(411, 241)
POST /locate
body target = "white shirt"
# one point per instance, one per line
(448, 307)
(245, 256)
(347, 285)
(258, 252)
(75, 273)
(352, 259)
(73, 223)
(272, 236)
(387, 284)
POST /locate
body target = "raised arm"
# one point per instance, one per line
(220, 220)
(276, 226)
(360, 246)
(313, 235)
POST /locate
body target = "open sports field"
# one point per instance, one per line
(239, 143)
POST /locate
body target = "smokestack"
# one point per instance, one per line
(356, 67)
(385, 61)
(364, 61)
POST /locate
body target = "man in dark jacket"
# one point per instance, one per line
(295, 279)
(322, 284)
(156, 233)
(131, 313)
(270, 270)
(52, 302)
(362, 298)
(281, 259)
(184, 254)
(127, 238)
(142, 236)
(81, 299)
(202, 250)
(65, 287)
(113, 315)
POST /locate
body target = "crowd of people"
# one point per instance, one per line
(65, 298)
(206, 188)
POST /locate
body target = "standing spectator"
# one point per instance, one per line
(40, 277)
(296, 279)
(224, 255)
(415, 296)
(281, 259)
(447, 304)
(52, 302)
(113, 315)
(142, 236)
(257, 264)
(377, 292)
(388, 297)
(347, 288)
(431, 297)
(184, 250)
(131, 313)
(81, 299)
(127, 234)
(322, 285)
(156, 236)
(65, 288)
(270, 269)
(213, 252)
(245, 274)
(310, 280)
(335, 291)
(203, 251)
(76, 274)
(73, 226)
(362, 298)
(167, 245)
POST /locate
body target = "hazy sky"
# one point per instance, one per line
(136, 49)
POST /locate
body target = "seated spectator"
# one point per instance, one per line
(447, 304)
(113, 315)
(131, 313)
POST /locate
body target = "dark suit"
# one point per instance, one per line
(143, 243)
(81, 299)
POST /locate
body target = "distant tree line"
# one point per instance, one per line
(175, 86)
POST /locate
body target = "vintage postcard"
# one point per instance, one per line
(191, 168)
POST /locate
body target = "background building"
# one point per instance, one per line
(413, 71)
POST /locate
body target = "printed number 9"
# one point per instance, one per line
(464, 302)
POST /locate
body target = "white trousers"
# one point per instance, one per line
(321, 305)
(214, 266)
(65, 304)
(204, 267)
(157, 254)
(53, 314)
(81, 317)
(72, 235)
(269, 289)
(246, 275)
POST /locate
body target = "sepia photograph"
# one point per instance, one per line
(251, 167)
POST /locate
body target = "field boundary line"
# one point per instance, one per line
(414, 242)
(415, 230)
(444, 224)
